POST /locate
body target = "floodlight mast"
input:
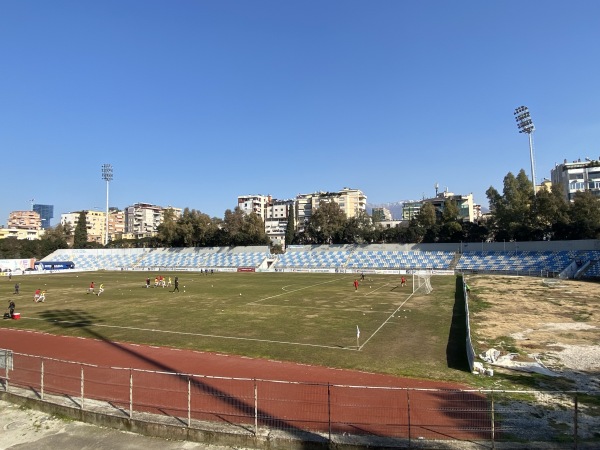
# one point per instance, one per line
(525, 125)
(107, 175)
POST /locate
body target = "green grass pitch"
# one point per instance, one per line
(301, 317)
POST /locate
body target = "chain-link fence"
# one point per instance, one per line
(568, 419)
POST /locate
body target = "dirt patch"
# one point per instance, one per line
(552, 321)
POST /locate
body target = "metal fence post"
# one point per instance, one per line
(189, 402)
(42, 380)
(6, 369)
(130, 393)
(82, 384)
(493, 429)
(408, 412)
(329, 409)
(255, 407)
(575, 424)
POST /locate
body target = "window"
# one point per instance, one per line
(578, 186)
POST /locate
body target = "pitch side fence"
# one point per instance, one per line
(403, 415)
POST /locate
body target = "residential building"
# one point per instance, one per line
(116, 223)
(95, 223)
(46, 213)
(351, 202)
(277, 220)
(380, 214)
(577, 176)
(390, 223)
(411, 209)
(142, 219)
(463, 202)
(21, 233)
(257, 204)
(467, 211)
(25, 220)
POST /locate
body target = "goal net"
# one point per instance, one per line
(422, 280)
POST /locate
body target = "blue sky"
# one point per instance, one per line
(197, 102)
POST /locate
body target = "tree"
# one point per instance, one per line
(326, 223)
(290, 230)
(54, 239)
(232, 226)
(512, 211)
(358, 229)
(422, 228)
(167, 230)
(451, 227)
(253, 231)
(585, 216)
(550, 214)
(80, 239)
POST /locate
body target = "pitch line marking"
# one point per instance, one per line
(386, 321)
(335, 347)
(289, 292)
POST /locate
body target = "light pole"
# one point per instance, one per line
(107, 175)
(525, 125)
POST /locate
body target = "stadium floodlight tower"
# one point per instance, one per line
(107, 175)
(525, 125)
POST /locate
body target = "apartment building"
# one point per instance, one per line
(257, 204)
(24, 220)
(142, 219)
(95, 222)
(350, 201)
(276, 221)
(468, 211)
(577, 176)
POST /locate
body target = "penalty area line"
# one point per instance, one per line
(217, 336)
(385, 321)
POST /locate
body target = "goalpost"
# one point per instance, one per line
(422, 280)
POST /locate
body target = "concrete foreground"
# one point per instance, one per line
(29, 429)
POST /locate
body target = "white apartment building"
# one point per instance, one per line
(351, 202)
(277, 220)
(142, 219)
(577, 176)
(257, 204)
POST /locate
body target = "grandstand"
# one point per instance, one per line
(391, 258)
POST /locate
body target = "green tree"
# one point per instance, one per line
(233, 222)
(584, 215)
(451, 226)
(167, 230)
(253, 231)
(550, 215)
(80, 239)
(326, 223)
(53, 239)
(358, 230)
(423, 227)
(290, 230)
(512, 211)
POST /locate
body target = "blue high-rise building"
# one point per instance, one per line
(46, 213)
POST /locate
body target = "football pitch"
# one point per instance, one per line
(311, 318)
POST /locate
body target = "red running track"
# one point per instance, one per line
(360, 411)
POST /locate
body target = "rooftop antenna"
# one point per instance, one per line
(436, 186)
(31, 203)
